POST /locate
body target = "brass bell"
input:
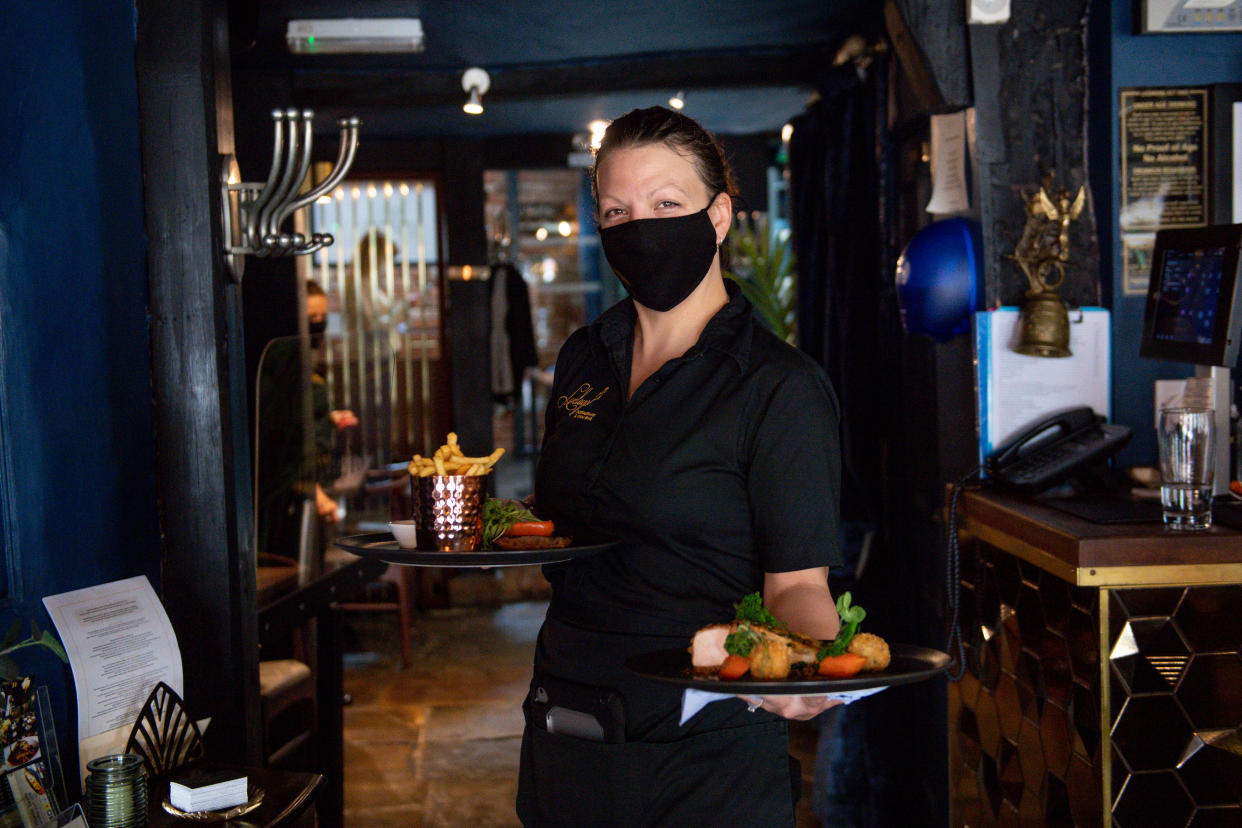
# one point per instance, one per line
(1045, 330)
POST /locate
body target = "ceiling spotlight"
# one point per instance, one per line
(678, 101)
(597, 133)
(474, 82)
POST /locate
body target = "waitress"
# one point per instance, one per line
(680, 425)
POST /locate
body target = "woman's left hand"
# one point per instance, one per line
(792, 707)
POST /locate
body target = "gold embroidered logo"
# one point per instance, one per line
(576, 403)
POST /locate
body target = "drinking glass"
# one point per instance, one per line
(1187, 454)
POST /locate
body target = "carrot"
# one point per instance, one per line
(841, 666)
(541, 528)
(735, 666)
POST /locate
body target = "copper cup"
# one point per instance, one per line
(449, 512)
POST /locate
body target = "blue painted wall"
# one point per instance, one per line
(1141, 60)
(77, 480)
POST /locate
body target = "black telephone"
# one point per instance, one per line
(1054, 449)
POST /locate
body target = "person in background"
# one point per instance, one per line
(708, 447)
(327, 421)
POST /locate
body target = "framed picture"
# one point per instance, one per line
(1190, 16)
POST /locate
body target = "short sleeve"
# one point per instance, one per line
(794, 473)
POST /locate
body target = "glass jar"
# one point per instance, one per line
(116, 791)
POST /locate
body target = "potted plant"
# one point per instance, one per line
(761, 262)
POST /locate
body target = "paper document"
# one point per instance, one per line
(948, 164)
(1016, 390)
(120, 645)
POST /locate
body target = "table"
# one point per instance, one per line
(288, 795)
(1103, 679)
(286, 605)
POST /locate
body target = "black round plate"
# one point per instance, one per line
(909, 664)
(382, 545)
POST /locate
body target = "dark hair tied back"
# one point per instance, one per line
(657, 125)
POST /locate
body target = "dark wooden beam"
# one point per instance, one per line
(198, 369)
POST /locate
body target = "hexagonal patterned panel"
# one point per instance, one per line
(1212, 769)
(1210, 690)
(1151, 733)
(1152, 799)
(1028, 742)
(1200, 617)
(1160, 602)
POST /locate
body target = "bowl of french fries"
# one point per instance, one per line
(449, 490)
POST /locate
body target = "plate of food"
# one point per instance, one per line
(384, 546)
(756, 655)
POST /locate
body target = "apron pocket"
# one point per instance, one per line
(566, 781)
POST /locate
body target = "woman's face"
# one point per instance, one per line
(317, 308)
(654, 181)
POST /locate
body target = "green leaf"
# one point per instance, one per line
(851, 617)
(8, 669)
(499, 515)
(10, 638)
(52, 643)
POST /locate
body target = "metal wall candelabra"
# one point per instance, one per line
(254, 213)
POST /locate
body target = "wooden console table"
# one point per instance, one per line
(1103, 682)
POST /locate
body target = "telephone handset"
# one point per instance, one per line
(1055, 448)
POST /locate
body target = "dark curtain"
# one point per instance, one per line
(873, 766)
(835, 209)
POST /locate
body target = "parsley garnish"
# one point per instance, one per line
(741, 641)
(751, 609)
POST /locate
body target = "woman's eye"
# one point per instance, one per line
(667, 204)
(613, 213)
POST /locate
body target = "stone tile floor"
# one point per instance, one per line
(436, 744)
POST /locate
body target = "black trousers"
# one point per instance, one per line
(726, 766)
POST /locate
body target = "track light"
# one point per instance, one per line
(678, 101)
(474, 82)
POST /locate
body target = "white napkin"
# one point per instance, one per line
(692, 701)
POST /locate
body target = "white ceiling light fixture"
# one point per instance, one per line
(355, 35)
(678, 101)
(598, 128)
(474, 82)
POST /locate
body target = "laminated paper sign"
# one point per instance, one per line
(1016, 390)
(120, 645)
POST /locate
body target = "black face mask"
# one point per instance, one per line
(661, 260)
(317, 330)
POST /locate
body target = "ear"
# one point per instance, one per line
(720, 211)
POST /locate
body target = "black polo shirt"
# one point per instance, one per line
(725, 464)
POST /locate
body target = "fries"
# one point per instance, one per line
(449, 460)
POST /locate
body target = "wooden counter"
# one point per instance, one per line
(1100, 554)
(1103, 680)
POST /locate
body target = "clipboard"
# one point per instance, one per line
(1014, 390)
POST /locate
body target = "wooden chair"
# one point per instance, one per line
(289, 711)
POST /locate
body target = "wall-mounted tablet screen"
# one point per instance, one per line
(1194, 298)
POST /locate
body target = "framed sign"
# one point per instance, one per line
(1190, 16)
(1165, 178)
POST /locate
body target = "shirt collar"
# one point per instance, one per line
(728, 332)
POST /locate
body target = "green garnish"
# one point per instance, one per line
(851, 617)
(751, 609)
(499, 516)
(742, 641)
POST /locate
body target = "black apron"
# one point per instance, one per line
(726, 766)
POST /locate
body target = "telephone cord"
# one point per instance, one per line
(953, 580)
